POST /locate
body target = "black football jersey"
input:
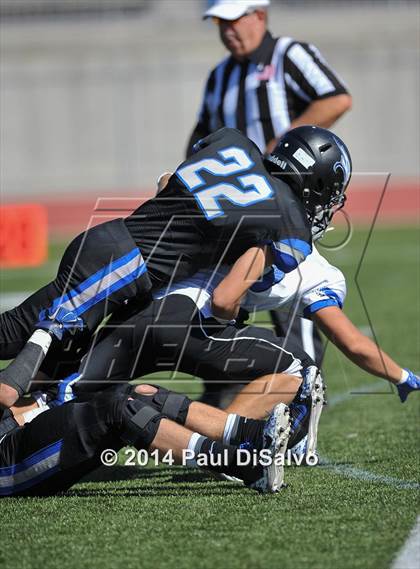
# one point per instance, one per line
(219, 202)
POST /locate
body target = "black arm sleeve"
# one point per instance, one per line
(19, 373)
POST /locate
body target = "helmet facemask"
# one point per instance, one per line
(322, 215)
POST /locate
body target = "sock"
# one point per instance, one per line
(240, 431)
(404, 377)
(231, 428)
(218, 457)
(194, 443)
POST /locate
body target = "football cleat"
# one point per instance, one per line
(317, 403)
(299, 454)
(306, 412)
(412, 383)
(276, 436)
(225, 477)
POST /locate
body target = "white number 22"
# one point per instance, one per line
(255, 188)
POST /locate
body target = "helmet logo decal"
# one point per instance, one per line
(343, 164)
(303, 158)
(280, 163)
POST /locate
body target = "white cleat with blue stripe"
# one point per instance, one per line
(306, 412)
(276, 436)
(317, 398)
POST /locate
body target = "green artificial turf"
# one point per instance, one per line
(353, 511)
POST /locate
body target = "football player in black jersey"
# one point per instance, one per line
(46, 448)
(171, 334)
(225, 204)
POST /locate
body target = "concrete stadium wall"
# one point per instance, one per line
(98, 106)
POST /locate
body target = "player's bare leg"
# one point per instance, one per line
(260, 396)
(255, 402)
(226, 459)
(211, 422)
(208, 420)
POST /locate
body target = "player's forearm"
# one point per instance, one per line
(24, 414)
(23, 405)
(227, 296)
(322, 113)
(368, 356)
(8, 395)
(360, 349)
(19, 374)
(225, 310)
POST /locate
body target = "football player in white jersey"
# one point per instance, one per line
(315, 291)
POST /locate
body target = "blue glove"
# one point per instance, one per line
(62, 321)
(64, 391)
(270, 278)
(412, 383)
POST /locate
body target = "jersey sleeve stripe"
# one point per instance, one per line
(231, 64)
(288, 253)
(304, 61)
(332, 294)
(338, 82)
(296, 88)
(312, 308)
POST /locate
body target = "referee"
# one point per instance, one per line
(263, 88)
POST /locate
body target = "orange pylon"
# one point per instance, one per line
(23, 235)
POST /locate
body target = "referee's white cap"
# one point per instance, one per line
(233, 9)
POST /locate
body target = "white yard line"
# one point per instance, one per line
(359, 473)
(409, 555)
(377, 387)
(367, 476)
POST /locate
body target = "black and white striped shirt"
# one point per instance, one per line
(262, 95)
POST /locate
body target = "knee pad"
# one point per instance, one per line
(107, 407)
(172, 405)
(140, 423)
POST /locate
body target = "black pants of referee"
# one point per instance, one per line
(169, 335)
(100, 270)
(60, 446)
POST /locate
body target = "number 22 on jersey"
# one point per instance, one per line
(253, 187)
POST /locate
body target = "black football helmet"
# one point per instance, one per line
(316, 164)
